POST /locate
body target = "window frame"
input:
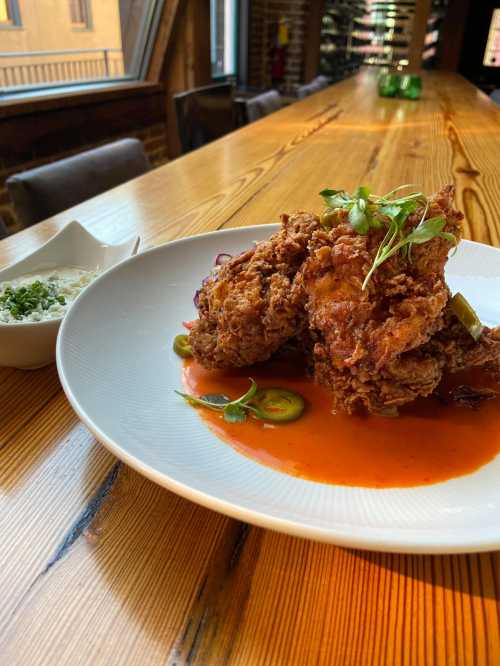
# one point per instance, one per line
(235, 38)
(14, 20)
(141, 55)
(494, 21)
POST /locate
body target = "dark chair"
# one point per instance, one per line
(204, 114)
(50, 189)
(307, 89)
(322, 81)
(314, 86)
(262, 105)
(3, 229)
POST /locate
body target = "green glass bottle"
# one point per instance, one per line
(388, 85)
(410, 86)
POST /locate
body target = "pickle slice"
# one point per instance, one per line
(466, 314)
(278, 404)
(182, 346)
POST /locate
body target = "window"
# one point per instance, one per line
(5, 15)
(492, 51)
(9, 13)
(79, 11)
(223, 30)
(53, 50)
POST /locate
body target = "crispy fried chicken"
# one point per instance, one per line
(253, 305)
(375, 348)
(459, 351)
(368, 342)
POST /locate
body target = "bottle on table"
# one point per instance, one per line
(388, 84)
(410, 86)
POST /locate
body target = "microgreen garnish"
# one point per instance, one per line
(233, 411)
(370, 211)
(24, 300)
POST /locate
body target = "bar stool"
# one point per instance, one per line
(204, 114)
(314, 86)
(262, 105)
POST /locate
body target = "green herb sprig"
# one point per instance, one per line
(370, 211)
(22, 301)
(233, 411)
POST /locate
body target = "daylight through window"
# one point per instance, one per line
(79, 42)
(4, 12)
(224, 44)
(9, 14)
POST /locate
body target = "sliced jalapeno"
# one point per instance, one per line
(328, 218)
(278, 404)
(466, 314)
(182, 346)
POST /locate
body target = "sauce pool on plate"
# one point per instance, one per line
(429, 442)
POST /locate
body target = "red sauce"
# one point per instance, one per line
(427, 443)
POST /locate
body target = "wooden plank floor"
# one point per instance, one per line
(101, 566)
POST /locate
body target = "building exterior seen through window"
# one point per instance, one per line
(53, 43)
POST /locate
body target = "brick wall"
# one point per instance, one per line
(51, 135)
(264, 18)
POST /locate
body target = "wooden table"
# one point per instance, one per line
(100, 566)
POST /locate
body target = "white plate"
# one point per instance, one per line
(117, 367)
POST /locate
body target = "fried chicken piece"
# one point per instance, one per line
(375, 349)
(367, 342)
(458, 349)
(254, 303)
(358, 388)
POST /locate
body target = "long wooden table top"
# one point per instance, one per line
(100, 566)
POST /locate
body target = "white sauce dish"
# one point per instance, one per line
(37, 291)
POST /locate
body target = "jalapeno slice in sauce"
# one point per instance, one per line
(182, 346)
(278, 404)
(466, 314)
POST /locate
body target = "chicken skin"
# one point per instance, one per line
(253, 305)
(459, 351)
(368, 342)
(375, 346)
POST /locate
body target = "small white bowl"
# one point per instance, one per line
(31, 345)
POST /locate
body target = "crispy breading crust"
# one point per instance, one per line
(375, 349)
(459, 351)
(254, 304)
(367, 340)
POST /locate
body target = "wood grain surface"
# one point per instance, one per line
(99, 566)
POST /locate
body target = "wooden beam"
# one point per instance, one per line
(177, 74)
(162, 40)
(198, 42)
(187, 60)
(419, 30)
(452, 35)
(315, 13)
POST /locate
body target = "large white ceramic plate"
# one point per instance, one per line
(117, 367)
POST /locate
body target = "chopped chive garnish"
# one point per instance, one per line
(22, 301)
